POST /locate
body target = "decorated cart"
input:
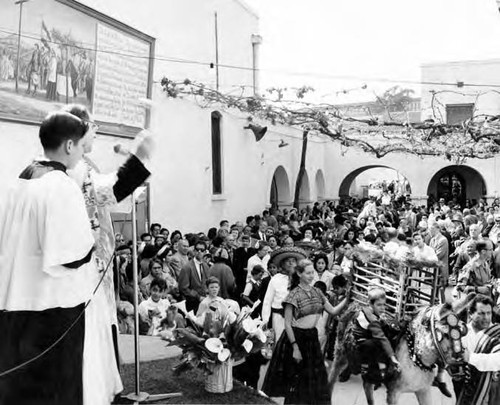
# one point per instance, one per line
(410, 284)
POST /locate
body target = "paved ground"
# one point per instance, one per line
(348, 393)
(150, 348)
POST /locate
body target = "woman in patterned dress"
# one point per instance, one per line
(297, 370)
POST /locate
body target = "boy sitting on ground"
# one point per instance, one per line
(154, 309)
(373, 345)
(170, 323)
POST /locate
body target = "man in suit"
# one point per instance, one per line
(179, 259)
(193, 277)
(240, 261)
(261, 233)
(440, 245)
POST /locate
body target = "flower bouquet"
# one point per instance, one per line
(367, 253)
(214, 340)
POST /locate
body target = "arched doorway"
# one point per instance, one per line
(320, 186)
(372, 180)
(458, 184)
(280, 188)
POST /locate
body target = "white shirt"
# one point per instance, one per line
(347, 265)
(254, 261)
(424, 253)
(494, 233)
(391, 247)
(43, 225)
(482, 361)
(199, 268)
(326, 277)
(149, 305)
(277, 291)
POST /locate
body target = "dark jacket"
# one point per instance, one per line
(373, 331)
(190, 285)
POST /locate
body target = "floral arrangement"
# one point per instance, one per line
(217, 337)
(366, 252)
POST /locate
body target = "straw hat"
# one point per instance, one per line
(283, 253)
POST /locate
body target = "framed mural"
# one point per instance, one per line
(69, 53)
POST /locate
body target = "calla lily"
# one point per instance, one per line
(214, 345)
(249, 326)
(191, 316)
(260, 334)
(231, 317)
(247, 345)
(224, 355)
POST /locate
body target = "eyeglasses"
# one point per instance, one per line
(201, 250)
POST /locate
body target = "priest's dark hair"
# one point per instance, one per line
(59, 127)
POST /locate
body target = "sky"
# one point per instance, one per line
(369, 39)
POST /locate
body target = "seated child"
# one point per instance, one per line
(253, 288)
(170, 323)
(154, 309)
(373, 344)
(213, 302)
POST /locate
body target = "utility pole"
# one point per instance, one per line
(216, 54)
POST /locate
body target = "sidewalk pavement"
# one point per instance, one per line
(347, 393)
(150, 348)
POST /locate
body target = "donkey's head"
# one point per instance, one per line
(438, 336)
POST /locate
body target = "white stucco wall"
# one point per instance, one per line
(182, 182)
(186, 30)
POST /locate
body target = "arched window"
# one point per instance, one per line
(216, 153)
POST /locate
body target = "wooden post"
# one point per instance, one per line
(302, 170)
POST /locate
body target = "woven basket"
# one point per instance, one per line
(221, 379)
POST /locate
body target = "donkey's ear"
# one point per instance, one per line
(464, 303)
(445, 309)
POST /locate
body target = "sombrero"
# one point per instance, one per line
(283, 253)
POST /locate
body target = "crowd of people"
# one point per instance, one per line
(255, 260)
(294, 267)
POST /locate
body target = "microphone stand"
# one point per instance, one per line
(137, 396)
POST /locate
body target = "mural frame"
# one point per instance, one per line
(105, 22)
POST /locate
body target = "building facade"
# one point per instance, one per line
(207, 167)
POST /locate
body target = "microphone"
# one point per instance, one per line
(121, 150)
